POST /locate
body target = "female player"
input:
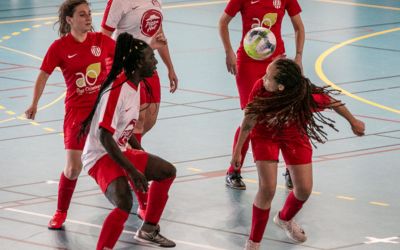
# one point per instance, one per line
(106, 156)
(282, 115)
(256, 13)
(143, 20)
(81, 55)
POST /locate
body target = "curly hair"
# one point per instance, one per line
(294, 105)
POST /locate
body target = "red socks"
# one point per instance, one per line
(112, 229)
(258, 223)
(244, 149)
(158, 196)
(291, 207)
(66, 188)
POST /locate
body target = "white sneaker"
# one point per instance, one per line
(291, 228)
(250, 245)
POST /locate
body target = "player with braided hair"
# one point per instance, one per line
(106, 155)
(283, 114)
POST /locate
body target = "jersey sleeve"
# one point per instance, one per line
(110, 106)
(233, 7)
(256, 90)
(112, 14)
(293, 7)
(51, 59)
(323, 101)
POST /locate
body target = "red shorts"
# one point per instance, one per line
(152, 92)
(294, 152)
(106, 170)
(73, 119)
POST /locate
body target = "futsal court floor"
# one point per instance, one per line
(355, 204)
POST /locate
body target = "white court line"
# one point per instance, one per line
(99, 226)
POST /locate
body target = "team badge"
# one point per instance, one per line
(96, 51)
(151, 22)
(277, 4)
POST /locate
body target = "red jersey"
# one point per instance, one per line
(82, 64)
(289, 132)
(266, 13)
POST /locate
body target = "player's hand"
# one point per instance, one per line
(173, 81)
(358, 127)
(236, 161)
(30, 113)
(158, 40)
(139, 180)
(298, 59)
(231, 62)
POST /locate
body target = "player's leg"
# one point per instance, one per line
(66, 187)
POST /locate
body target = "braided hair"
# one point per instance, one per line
(129, 52)
(67, 8)
(294, 105)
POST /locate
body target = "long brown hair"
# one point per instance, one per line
(67, 8)
(294, 105)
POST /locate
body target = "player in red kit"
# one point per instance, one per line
(282, 115)
(110, 161)
(256, 13)
(143, 20)
(81, 55)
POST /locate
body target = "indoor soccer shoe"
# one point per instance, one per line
(234, 180)
(291, 228)
(152, 236)
(250, 245)
(57, 221)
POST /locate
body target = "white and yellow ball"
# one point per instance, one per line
(259, 43)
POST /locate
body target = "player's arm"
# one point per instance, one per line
(133, 142)
(116, 155)
(166, 58)
(357, 126)
(37, 93)
(226, 41)
(106, 32)
(248, 123)
(299, 38)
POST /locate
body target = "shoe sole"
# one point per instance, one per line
(56, 228)
(152, 243)
(287, 233)
(237, 188)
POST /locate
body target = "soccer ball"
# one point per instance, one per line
(259, 43)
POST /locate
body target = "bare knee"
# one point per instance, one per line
(119, 194)
(72, 170)
(266, 193)
(302, 192)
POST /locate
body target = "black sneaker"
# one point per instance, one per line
(234, 180)
(150, 234)
(288, 180)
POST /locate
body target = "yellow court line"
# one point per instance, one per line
(7, 120)
(379, 204)
(361, 4)
(345, 198)
(324, 78)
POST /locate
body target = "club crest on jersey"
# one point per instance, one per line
(96, 51)
(127, 133)
(151, 22)
(277, 4)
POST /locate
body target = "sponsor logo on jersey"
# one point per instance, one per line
(86, 82)
(96, 51)
(277, 4)
(71, 56)
(127, 133)
(151, 22)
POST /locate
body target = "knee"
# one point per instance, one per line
(302, 192)
(72, 171)
(266, 192)
(168, 170)
(124, 201)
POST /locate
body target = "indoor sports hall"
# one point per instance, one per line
(352, 45)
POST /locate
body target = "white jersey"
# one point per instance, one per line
(140, 18)
(117, 111)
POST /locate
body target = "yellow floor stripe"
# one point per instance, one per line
(194, 169)
(361, 5)
(379, 204)
(37, 26)
(49, 129)
(345, 198)
(6, 37)
(26, 29)
(15, 33)
(2, 107)
(10, 112)
(34, 123)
